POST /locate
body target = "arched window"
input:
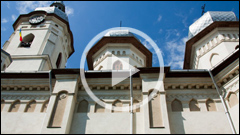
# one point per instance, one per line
(118, 53)
(176, 105)
(83, 107)
(2, 104)
(137, 58)
(232, 99)
(117, 103)
(113, 52)
(15, 106)
(99, 108)
(58, 62)
(44, 106)
(30, 106)
(27, 40)
(117, 65)
(214, 59)
(210, 105)
(141, 61)
(124, 53)
(193, 105)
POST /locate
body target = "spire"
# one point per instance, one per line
(59, 5)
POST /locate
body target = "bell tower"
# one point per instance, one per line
(42, 40)
(213, 37)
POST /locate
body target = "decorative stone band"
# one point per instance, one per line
(189, 96)
(24, 97)
(24, 88)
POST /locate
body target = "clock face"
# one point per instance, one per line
(37, 19)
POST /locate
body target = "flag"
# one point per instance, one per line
(20, 34)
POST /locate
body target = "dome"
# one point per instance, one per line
(208, 18)
(119, 33)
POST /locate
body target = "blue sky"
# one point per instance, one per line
(166, 22)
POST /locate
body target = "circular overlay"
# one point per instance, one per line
(155, 90)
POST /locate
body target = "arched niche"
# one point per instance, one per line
(83, 106)
(58, 109)
(14, 106)
(193, 105)
(232, 99)
(44, 106)
(30, 107)
(176, 105)
(116, 103)
(210, 105)
(99, 108)
(214, 59)
(155, 112)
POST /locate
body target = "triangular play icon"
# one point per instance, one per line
(121, 69)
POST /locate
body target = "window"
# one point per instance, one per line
(210, 105)
(27, 40)
(193, 105)
(176, 106)
(118, 53)
(124, 53)
(59, 60)
(117, 65)
(113, 52)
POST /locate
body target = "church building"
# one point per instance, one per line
(40, 96)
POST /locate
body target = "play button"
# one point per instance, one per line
(121, 69)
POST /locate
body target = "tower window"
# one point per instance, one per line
(117, 65)
(27, 41)
(59, 60)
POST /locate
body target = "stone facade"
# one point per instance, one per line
(54, 100)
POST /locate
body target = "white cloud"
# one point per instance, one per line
(172, 32)
(69, 10)
(25, 7)
(4, 20)
(184, 19)
(14, 17)
(159, 18)
(176, 50)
